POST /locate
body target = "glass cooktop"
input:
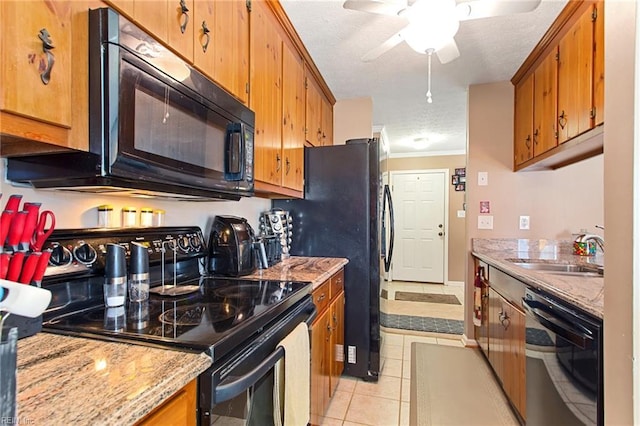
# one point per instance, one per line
(220, 314)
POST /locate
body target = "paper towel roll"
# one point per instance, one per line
(25, 300)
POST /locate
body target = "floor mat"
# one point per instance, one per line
(440, 378)
(430, 324)
(449, 299)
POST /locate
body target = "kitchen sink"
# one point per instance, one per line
(563, 268)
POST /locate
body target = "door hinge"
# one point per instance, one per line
(557, 56)
(248, 3)
(594, 14)
(306, 83)
(247, 88)
(593, 112)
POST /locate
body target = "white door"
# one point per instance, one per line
(419, 200)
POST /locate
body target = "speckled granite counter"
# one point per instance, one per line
(69, 380)
(298, 268)
(586, 293)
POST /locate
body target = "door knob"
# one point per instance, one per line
(440, 234)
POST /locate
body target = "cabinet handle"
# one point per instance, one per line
(47, 45)
(527, 141)
(562, 120)
(278, 162)
(535, 136)
(504, 319)
(288, 165)
(335, 318)
(205, 33)
(321, 298)
(329, 329)
(184, 16)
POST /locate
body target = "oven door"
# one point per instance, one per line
(239, 389)
(564, 364)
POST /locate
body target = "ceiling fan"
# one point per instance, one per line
(433, 23)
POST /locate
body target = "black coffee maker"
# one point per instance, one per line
(230, 247)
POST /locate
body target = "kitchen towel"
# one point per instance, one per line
(291, 394)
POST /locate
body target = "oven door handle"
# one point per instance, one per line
(226, 391)
(555, 324)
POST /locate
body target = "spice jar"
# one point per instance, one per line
(146, 217)
(158, 217)
(105, 216)
(129, 217)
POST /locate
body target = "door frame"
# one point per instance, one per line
(392, 173)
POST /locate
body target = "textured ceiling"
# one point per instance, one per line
(491, 50)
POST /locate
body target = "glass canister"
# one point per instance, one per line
(129, 217)
(158, 217)
(105, 216)
(146, 217)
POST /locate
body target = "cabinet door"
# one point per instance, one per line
(337, 342)
(327, 122)
(231, 47)
(545, 97)
(319, 367)
(496, 333)
(292, 118)
(523, 144)
(153, 16)
(125, 7)
(598, 64)
(203, 36)
(515, 359)
(575, 77)
(266, 93)
(180, 27)
(36, 60)
(313, 126)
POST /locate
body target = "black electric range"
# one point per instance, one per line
(218, 316)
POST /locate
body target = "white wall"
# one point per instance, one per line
(352, 119)
(75, 210)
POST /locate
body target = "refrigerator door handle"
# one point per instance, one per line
(389, 255)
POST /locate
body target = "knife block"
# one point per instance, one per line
(26, 326)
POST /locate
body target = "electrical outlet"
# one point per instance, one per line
(351, 354)
(483, 178)
(524, 222)
(485, 222)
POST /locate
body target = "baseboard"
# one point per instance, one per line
(455, 283)
(469, 343)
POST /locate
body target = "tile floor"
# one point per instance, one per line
(385, 403)
(422, 309)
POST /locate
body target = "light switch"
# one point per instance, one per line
(461, 213)
(524, 222)
(485, 222)
(483, 178)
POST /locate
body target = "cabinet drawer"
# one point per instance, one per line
(337, 284)
(321, 296)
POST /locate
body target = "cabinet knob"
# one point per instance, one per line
(184, 16)
(287, 166)
(206, 36)
(562, 119)
(47, 46)
(278, 162)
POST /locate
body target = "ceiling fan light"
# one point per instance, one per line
(421, 37)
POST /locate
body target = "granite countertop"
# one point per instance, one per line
(80, 381)
(73, 380)
(587, 293)
(299, 268)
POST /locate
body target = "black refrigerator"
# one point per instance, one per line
(340, 216)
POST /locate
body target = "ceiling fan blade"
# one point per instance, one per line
(448, 52)
(374, 6)
(376, 52)
(476, 9)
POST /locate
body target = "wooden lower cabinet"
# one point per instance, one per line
(179, 409)
(506, 327)
(327, 344)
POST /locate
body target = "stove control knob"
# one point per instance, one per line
(183, 243)
(196, 242)
(60, 255)
(84, 253)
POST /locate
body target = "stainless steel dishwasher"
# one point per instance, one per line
(564, 363)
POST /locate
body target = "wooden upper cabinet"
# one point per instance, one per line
(231, 52)
(180, 26)
(125, 7)
(293, 118)
(266, 93)
(313, 126)
(203, 35)
(327, 122)
(545, 97)
(523, 131)
(36, 66)
(575, 77)
(153, 16)
(598, 64)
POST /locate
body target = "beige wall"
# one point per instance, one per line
(558, 202)
(456, 235)
(352, 119)
(79, 210)
(620, 290)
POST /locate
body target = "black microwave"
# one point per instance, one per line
(157, 125)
